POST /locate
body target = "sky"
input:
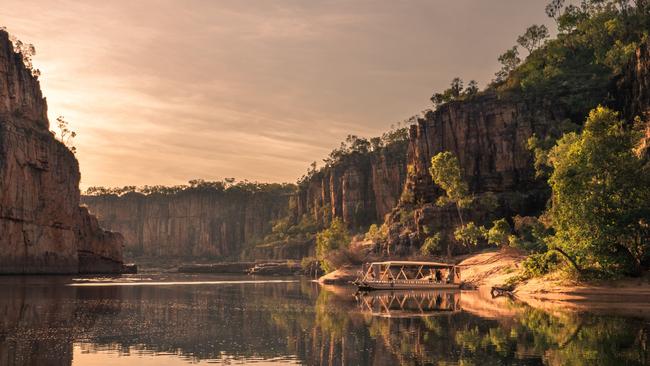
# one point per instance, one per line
(165, 91)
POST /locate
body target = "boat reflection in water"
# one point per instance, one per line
(409, 303)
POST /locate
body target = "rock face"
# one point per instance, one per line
(634, 95)
(42, 227)
(360, 190)
(191, 223)
(633, 89)
(488, 136)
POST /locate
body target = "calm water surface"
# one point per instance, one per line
(188, 319)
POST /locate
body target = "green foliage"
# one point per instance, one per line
(26, 51)
(456, 91)
(285, 229)
(310, 265)
(601, 204)
(66, 135)
(539, 264)
(469, 234)
(228, 185)
(407, 196)
(333, 238)
(541, 147)
(499, 233)
(377, 234)
(487, 201)
(391, 143)
(509, 61)
(595, 41)
(445, 172)
(431, 244)
(406, 215)
(530, 234)
(533, 38)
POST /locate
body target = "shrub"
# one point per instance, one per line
(469, 234)
(329, 241)
(431, 244)
(499, 233)
(376, 233)
(540, 263)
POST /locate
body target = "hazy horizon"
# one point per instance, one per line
(161, 92)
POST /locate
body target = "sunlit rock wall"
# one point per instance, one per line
(42, 227)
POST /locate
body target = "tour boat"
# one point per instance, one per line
(404, 275)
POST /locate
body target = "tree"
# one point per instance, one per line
(533, 37)
(472, 88)
(454, 92)
(456, 87)
(445, 172)
(554, 8)
(509, 61)
(469, 234)
(431, 244)
(376, 233)
(67, 136)
(335, 237)
(499, 233)
(600, 201)
(26, 50)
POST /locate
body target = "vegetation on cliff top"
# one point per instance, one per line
(26, 51)
(595, 41)
(228, 185)
(574, 71)
(391, 143)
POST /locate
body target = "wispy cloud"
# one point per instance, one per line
(164, 91)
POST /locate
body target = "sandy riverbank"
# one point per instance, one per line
(630, 296)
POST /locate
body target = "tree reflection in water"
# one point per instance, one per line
(43, 322)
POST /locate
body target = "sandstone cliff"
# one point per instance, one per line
(191, 223)
(488, 134)
(360, 189)
(42, 227)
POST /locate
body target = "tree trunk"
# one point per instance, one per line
(567, 257)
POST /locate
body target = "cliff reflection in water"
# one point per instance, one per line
(46, 322)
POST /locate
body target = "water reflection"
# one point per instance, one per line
(408, 303)
(46, 322)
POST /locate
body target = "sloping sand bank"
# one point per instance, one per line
(630, 296)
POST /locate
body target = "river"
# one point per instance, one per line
(174, 319)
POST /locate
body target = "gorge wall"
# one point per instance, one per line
(42, 227)
(361, 189)
(192, 223)
(488, 134)
(489, 137)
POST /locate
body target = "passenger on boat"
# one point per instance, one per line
(438, 276)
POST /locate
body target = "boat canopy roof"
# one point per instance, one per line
(414, 264)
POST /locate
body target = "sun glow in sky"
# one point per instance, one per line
(162, 91)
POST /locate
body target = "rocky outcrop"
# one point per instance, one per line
(42, 227)
(360, 189)
(191, 223)
(489, 136)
